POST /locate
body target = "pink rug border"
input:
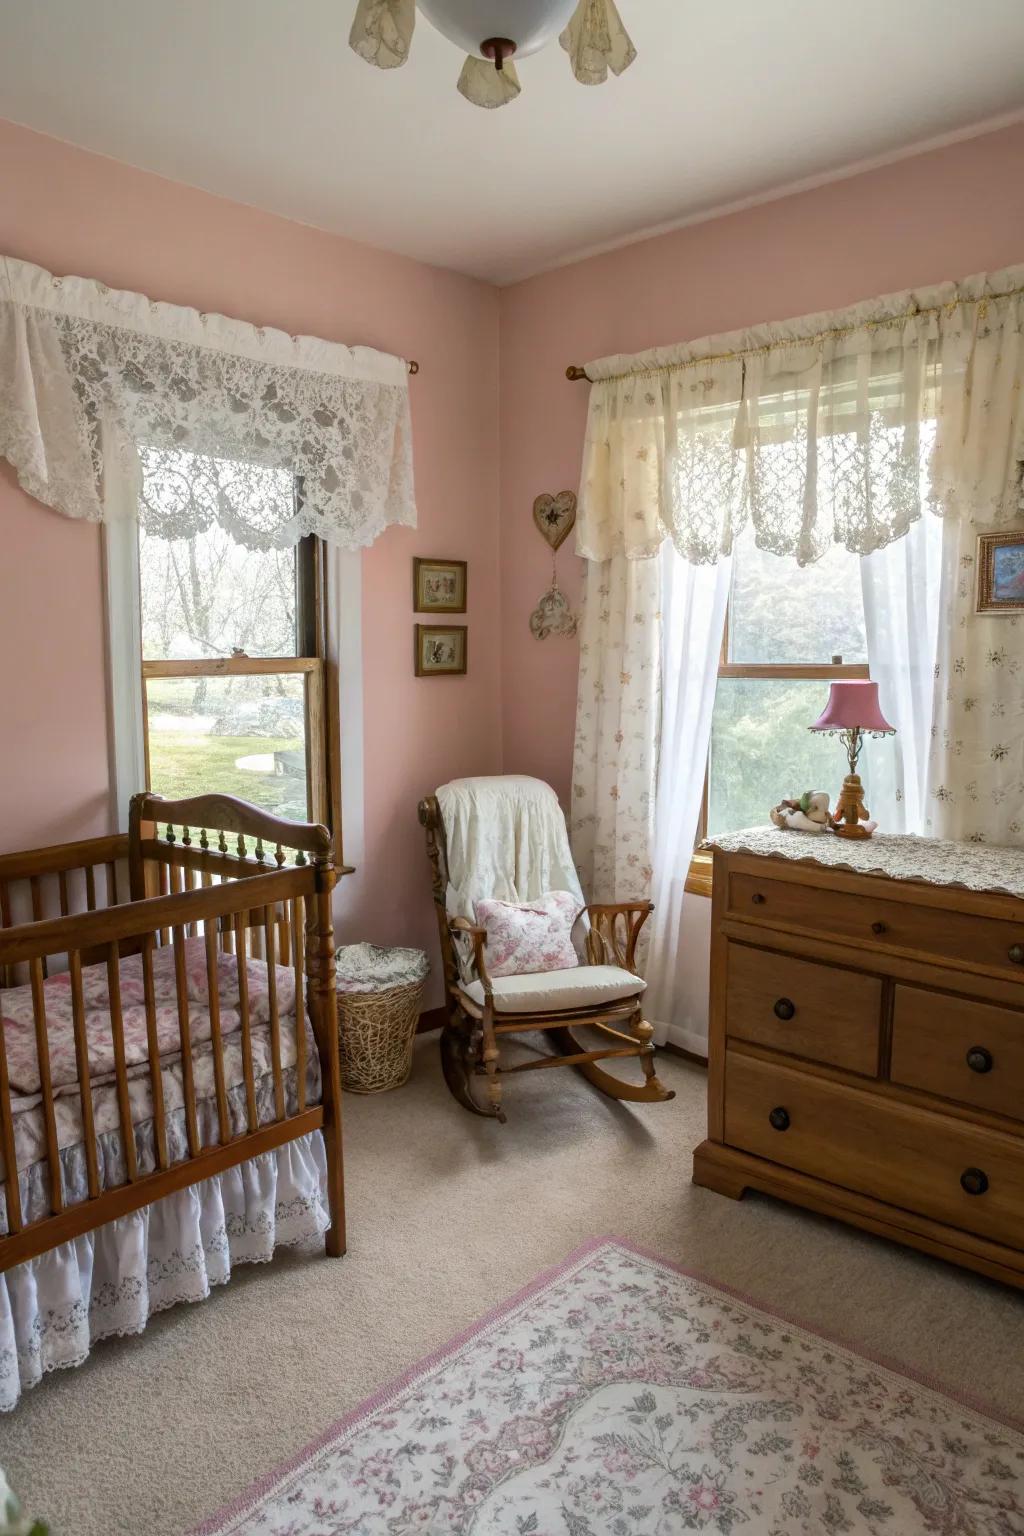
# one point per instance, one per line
(258, 1490)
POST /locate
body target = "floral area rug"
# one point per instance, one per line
(619, 1396)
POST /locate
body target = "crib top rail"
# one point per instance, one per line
(85, 931)
(88, 853)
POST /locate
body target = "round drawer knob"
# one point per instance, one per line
(784, 1009)
(757, 899)
(974, 1181)
(1015, 954)
(979, 1060)
(879, 927)
(779, 1119)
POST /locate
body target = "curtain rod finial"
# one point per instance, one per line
(413, 366)
(574, 372)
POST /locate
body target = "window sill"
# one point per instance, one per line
(698, 880)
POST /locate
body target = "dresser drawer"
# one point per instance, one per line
(875, 918)
(972, 1052)
(907, 1157)
(805, 1009)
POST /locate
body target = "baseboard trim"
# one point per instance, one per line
(678, 1050)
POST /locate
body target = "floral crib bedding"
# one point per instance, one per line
(109, 1281)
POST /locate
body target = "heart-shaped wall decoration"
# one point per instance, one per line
(555, 516)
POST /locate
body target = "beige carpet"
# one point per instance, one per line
(447, 1215)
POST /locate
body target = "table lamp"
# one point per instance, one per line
(852, 710)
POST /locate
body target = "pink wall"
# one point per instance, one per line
(75, 212)
(942, 215)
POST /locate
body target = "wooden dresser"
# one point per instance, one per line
(866, 1053)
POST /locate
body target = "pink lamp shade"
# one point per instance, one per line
(853, 705)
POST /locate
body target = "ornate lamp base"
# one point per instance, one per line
(850, 809)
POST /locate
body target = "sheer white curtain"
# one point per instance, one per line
(693, 604)
(900, 586)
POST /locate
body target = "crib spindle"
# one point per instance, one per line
(82, 1059)
(62, 891)
(7, 1143)
(285, 944)
(35, 888)
(185, 1035)
(111, 884)
(216, 1041)
(275, 1022)
(153, 1043)
(90, 888)
(6, 971)
(242, 918)
(35, 967)
(298, 932)
(124, 1103)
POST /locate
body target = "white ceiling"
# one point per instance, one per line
(262, 101)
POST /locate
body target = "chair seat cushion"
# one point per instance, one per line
(587, 986)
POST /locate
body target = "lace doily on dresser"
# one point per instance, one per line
(973, 866)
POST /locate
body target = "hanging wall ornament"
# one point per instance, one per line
(553, 615)
(555, 516)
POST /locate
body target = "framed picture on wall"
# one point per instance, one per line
(439, 586)
(441, 650)
(1000, 573)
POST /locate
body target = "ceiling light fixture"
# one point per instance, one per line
(493, 33)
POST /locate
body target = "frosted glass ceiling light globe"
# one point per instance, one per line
(473, 24)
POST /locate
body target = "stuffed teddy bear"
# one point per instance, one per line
(808, 814)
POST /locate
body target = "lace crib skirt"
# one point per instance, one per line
(55, 1307)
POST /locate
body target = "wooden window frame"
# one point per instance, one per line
(698, 879)
(320, 686)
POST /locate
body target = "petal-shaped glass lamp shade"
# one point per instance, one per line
(470, 23)
(382, 31)
(486, 86)
(596, 42)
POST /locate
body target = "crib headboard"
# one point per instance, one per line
(180, 845)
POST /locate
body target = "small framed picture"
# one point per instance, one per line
(441, 650)
(439, 586)
(1000, 573)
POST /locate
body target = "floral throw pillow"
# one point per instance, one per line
(532, 936)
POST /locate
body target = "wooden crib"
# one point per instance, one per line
(263, 895)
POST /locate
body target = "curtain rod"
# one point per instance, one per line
(574, 372)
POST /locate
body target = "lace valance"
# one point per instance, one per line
(86, 370)
(834, 428)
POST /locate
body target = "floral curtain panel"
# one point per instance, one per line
(83, 367)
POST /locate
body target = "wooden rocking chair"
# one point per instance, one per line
(604, 993)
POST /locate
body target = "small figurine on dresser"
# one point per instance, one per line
(808, 814)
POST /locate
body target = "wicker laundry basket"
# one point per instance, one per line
(379, 996)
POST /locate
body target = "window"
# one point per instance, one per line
(232, 639)
(789, 632)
